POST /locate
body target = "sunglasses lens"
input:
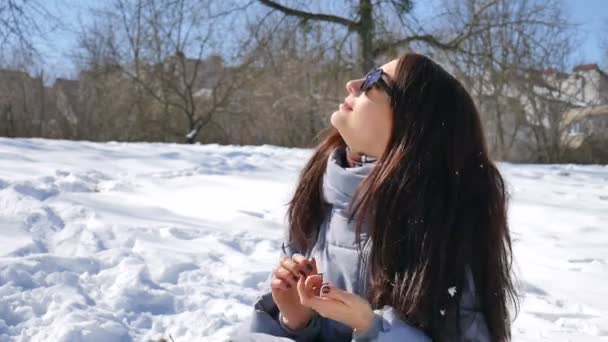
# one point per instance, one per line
(371, 78)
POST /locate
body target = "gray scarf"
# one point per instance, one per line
(341, 182)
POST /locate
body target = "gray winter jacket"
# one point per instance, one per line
(344, 264)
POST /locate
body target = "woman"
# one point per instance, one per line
(404, 215)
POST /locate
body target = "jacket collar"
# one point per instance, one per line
(341, 182)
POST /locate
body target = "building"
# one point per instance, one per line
(589, 116)
(583, 122)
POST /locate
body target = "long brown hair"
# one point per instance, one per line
(436, 203)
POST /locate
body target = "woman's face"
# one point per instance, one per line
(365, 119)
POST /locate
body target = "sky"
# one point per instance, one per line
(58, 44)
(592, 16)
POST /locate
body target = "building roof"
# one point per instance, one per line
(589, 67)
(554, 71)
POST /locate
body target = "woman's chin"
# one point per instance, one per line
(337, 119)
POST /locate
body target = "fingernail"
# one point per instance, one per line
(296, 255)
(325, 289)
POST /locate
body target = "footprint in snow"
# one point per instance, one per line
(252, 213)
(586, 260)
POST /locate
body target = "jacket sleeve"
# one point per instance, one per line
(387, 326)
(266, 316)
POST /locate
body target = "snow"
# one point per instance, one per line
(138, 241)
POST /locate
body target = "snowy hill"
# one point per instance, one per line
(137, 241)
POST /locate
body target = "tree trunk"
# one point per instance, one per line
(365, 32)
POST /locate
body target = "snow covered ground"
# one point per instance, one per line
(137, 241)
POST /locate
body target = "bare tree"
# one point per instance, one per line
(379, 33)
(7, 118)
(546, 96)
(113, 105)
(22, 98)
(496, 65)
(299, 82)
(21, 21)
(604, 46)
(156, 40)
(21, 103)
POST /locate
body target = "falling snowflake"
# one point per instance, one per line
(452, 291)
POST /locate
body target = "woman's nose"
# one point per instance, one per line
(353, 86)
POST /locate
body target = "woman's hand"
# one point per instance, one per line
(284, 291)
(336, 304)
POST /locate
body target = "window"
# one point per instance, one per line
(575, 128)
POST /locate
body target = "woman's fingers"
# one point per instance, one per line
(286, 276)
(292, 266)
(309, 266)
(313, 283)
(313, 264)
(309, 289)
(303, 294)
(326, 307)
(290, 269)
(332, 292)
(350, 300)
(279, 284)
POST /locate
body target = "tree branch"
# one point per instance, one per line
(466, 32)
(312, 16)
